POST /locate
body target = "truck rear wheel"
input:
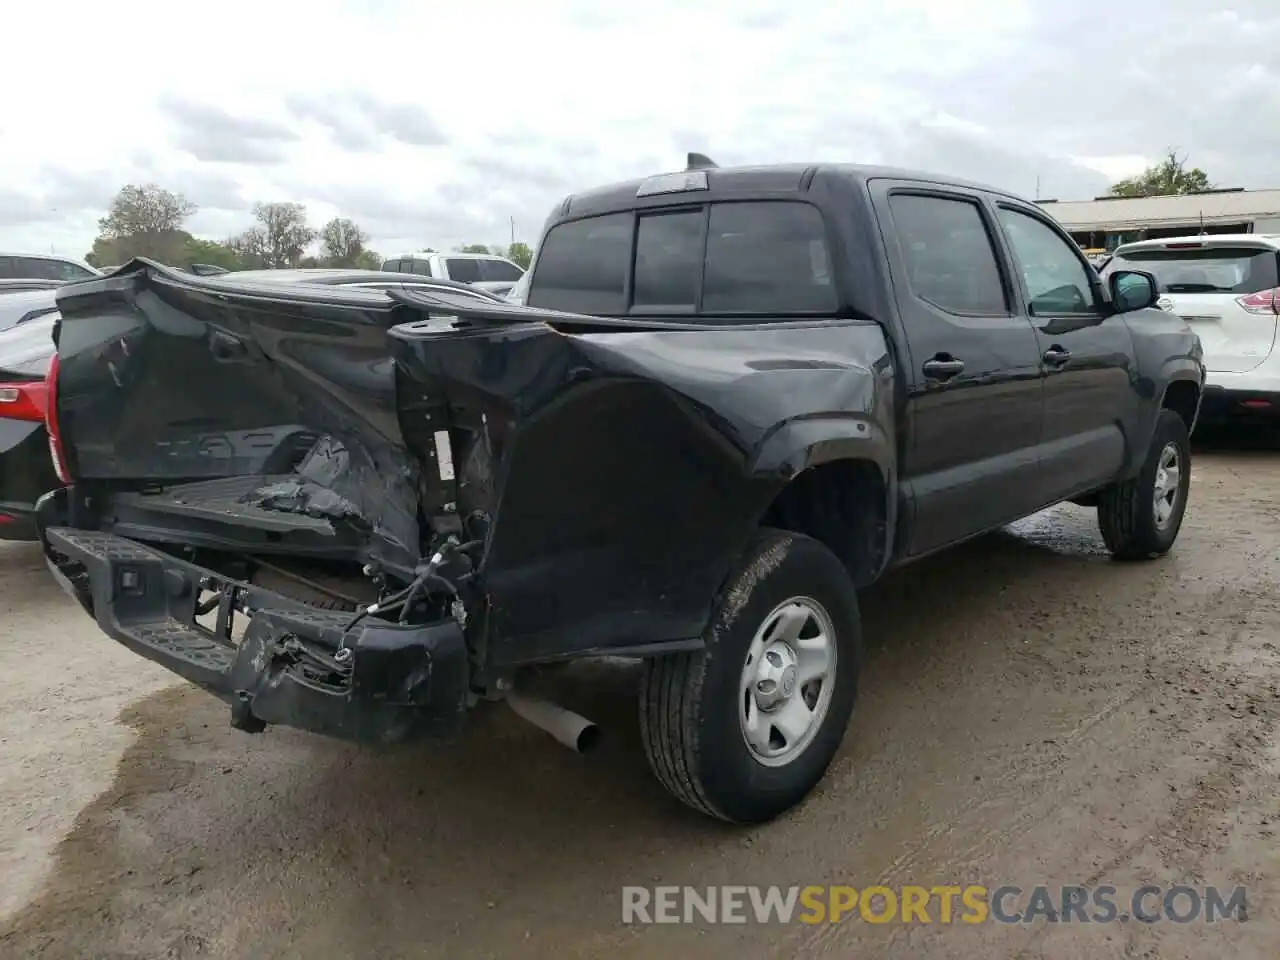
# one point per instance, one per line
(744, 729)
(1140, 518)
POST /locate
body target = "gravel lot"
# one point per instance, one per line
(1031, 713)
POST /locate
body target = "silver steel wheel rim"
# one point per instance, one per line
(787, 681)
(1168, 485)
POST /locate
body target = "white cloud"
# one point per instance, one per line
(1115, 168)
(437, 124)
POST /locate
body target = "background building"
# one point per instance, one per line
(1107, 222)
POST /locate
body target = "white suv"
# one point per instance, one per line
(1227, 287)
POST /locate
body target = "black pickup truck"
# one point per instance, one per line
(732, 398)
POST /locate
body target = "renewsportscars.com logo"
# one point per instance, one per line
(943, 904)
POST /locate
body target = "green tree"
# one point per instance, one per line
(519, 253)
(138, 210)
(249, 248)
(342, 242)
(279, 238)
(143, 220)
(1169, 176)
(473, 248)
(368, 260)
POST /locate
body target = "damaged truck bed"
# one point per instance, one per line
(731, 401)
(594, 479)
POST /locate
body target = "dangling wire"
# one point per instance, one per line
(403, 600)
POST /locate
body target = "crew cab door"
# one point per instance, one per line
(972, 365)
(1090, 401)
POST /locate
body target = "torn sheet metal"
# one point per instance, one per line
(238, 380)
(630, 465)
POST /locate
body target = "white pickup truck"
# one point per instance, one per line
(487, 271)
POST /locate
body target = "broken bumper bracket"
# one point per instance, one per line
(398, 683)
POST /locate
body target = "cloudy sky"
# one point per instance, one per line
(438, 124)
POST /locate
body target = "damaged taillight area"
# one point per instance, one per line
(23, 401)
(458, 444)
(51, 422)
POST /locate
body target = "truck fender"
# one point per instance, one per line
(803, 443)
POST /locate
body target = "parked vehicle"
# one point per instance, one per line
(735, 397)
(1227, 288)
(43, 266)
(484, 270)
(25, 285)
(26, 470)
(22, 305)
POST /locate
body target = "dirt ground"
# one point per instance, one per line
(1031, 712)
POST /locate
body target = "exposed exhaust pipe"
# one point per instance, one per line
(573, 730)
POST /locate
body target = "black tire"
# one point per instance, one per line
(690, 703)
(1126, 511)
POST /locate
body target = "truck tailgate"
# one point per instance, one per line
(170, 383)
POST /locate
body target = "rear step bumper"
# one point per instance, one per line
(399, 683)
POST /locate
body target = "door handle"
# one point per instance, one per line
(1056, 356)
(942, 367)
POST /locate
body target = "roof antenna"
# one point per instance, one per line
(699, 161)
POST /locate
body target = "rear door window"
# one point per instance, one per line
(463, 270)
(948, 254)
(391, 266)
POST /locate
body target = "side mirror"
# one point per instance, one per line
(1132, 290)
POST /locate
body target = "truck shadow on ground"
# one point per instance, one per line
(1236, 438)
(429, 837)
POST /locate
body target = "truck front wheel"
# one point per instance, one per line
(1140, 518)
(744, 729)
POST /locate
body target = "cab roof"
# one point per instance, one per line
(766, 180)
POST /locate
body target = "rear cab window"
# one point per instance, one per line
(1192, 268)
(723, 259)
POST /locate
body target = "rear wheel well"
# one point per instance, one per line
(1181, 397)
(841, 504)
